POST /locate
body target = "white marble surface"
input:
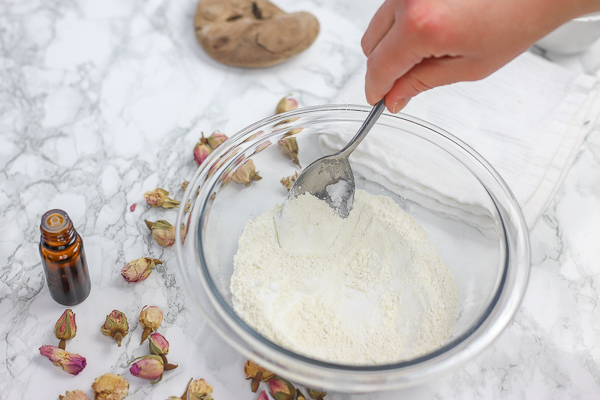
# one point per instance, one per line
(102, 101)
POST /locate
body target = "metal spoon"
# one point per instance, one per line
(330, 178)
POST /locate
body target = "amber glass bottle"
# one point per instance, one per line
(63, 259)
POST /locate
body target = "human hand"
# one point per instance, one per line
(415, 45)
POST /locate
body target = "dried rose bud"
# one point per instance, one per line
(216, 139)
(150, 318)
(69, 362)
(148, 367)
(184, 185)
(116, 326)
(132, 207)
(140, 269)
(288, 181)
(74, 395)
(289, 148)
(199, 390)
(316, 395)
(160, 198)
(202, 150)
(246, 173)
(281, 389)
(158, 344)
(299, 395)
(263, 396)
(162, 231)
(65, 328)
(110, 387)
(256, 373)
(288, 103)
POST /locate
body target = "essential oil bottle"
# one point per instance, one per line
(63, 258)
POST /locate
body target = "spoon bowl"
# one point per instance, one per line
(330, 178)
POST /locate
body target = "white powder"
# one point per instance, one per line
(375, 293)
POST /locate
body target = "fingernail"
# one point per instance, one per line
(400, 104)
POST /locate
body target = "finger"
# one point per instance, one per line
(434, 72)
(429, 73)
(380, 24)
(391, 58)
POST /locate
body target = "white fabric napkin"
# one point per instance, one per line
(528, 120)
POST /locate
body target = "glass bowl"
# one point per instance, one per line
(467, 210)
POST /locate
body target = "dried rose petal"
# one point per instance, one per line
(162, 231)
(110, 387)
(148, 367)
(65, 328)
(299, 395)
(69, 362)
(74, 395)
(216, 139)
(132, 207)
(184, 185)
(116, 326)
(140, 269)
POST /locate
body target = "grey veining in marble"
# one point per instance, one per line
(102, 101)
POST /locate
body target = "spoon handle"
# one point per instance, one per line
(364, 129)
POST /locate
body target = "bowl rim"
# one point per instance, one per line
(514, 279)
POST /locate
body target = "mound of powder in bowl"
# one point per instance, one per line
(369, 289)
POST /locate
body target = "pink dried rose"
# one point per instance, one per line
(150, 318)
(65, 328)
(202, 150)
(162, 231)
(69, 362)
(110, 387)
(74, 395)
(281, 389)
(246, 173)
(158, 344)
(288, 103)
(116, 326)
(148, 367)
(216, 139)
(140, 269)
(160, 198)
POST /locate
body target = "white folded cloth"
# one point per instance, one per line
(528, 120)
